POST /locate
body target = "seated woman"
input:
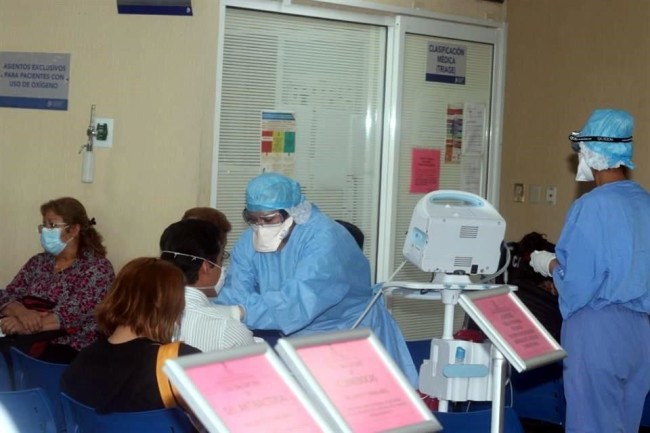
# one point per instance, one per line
(139, 316)
(58, 290)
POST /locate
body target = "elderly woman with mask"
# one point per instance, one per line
(603, 280)
(298, 271)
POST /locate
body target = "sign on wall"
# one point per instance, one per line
(446, 63)
(155, 7)
(278, 141)
(34, 80)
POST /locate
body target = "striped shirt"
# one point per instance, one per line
(210, 327)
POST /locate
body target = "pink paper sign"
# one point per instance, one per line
(514, 326)
(249, 395)
(425, 170)
(360, 386)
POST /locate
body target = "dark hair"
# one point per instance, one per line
(148, 295)
(194, 237)
(74, 213)
(213, 215)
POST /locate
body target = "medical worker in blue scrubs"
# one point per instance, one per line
(298, 271)
(602, 274)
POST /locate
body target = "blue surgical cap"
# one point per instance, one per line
(608, 123)
(272, 191)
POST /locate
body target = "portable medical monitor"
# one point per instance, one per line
(351, 377)
(245, 389)
(511, 327)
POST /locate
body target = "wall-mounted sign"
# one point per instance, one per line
(155, 7)
(34, 80)
(446, 63)
(278, 141)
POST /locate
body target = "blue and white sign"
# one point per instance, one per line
(34, 80)
(446, 63)
(155, 7)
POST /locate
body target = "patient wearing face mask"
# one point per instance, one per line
(47, 309)
(195, 246)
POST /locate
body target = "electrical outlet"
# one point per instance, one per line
(551, 195)
(104, 128)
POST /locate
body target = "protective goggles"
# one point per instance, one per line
(269, 219)
(576, 139)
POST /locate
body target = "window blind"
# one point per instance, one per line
(331, 75)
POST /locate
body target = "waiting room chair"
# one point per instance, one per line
(5, 375)
(355, 231)
(645, 417)
(30, 372)
(539, 394)
(29, 409)
(478, 421)
(83, 419)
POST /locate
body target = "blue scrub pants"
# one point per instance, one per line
(607, 370)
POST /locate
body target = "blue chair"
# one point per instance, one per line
(539, 394)
(30, 372)
(83, 419)
(29, 409)
(478, 421)
(645, 417)
(5, 376)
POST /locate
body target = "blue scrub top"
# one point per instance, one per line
(604, 250)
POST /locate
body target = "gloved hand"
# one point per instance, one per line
(540, 261)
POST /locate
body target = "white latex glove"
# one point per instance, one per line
(540, 261)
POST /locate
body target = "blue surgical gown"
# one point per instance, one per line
(604, 250)
(603, 282)
(318, 282)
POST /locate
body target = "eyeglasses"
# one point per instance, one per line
(51, 226)
(270, 219)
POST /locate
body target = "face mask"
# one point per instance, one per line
(51, 240)
(584, 173)
(222, 279)
(267, 239)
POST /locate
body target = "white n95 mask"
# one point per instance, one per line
(584, 173)
(267, 238)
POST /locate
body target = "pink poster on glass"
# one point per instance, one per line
(425, 170)
(249, 395)
(360, 386)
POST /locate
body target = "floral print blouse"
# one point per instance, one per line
(76, 291)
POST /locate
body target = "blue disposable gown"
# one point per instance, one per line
(604, 250)
(603, 281)
(318, 282)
